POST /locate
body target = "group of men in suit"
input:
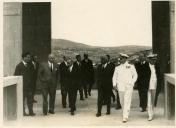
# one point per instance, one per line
(28, 68)
(76, 76)
(79, 76)
(145, 73)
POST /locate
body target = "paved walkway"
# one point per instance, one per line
(85, 115)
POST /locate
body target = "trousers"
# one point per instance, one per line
(72, 96)
(48, 89)
(150, 103)
(104, 95)
(64, 93)
(125, 101)
(28, 97)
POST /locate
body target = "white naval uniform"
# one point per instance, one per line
(152, 90)
(124, 78)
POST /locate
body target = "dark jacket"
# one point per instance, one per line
(71, 82)
(104, 78)
(63, 69)
(88, 71)
(111, 68)
(78, 75)
(34, 71)
(143, 71)
(25, 71)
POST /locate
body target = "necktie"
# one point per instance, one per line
(51, 67)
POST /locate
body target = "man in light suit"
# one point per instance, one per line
(24, 69)
(47, 75)
(124, 79)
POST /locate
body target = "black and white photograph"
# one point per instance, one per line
(87, 63)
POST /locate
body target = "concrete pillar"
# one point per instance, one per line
(11, 53)
(172, 36)
(12, 36)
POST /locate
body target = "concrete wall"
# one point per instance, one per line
(172, 36)
(12, 36)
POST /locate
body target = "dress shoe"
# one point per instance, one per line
(32, 114)
(143, 110)
(125, 120)
(118, 107)
(64, 106)
(98, 114)
(25, 114)
(52, 112)
(81, 98)
(108, 113)
(72, 113)
(34, 101)
(86, 97)
(44, 114)
(150, 118)
(89, 93)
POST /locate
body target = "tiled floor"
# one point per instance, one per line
(85, 115)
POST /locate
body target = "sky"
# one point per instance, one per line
(103, 22)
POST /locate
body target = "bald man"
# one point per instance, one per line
(47, 76)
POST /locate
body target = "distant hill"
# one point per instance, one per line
(69, 48)
(62, 43)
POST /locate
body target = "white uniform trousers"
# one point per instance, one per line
(150, 102)
(125, 100)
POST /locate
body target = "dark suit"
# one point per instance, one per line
(104, 83)
(88, 75)
(48, 79)
(77, 69)
(72, 87)
(25, 71)
(63, 69)
(34, 68)
(111, 67)
(143, 71)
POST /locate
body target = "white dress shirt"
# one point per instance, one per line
(66, 63)
(70, 68)
(50, 65)
(25, 64)
(104, 66)
(125, 76)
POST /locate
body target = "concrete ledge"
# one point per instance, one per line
(12, 98)
(169, 110)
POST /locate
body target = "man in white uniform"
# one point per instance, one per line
(124, 78)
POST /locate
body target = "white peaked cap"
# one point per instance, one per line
(76, 54)
(152, 55)
(124, 55)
